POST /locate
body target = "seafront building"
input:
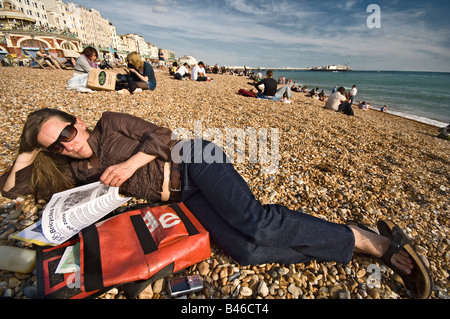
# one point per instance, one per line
(27, 25)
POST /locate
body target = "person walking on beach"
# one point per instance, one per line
(353, 93)
(58, 151)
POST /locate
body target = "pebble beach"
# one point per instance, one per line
(364, 168)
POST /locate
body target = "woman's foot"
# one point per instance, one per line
(123, 92)
(398, 253)
(376, 245)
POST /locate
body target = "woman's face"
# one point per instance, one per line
(77, 148)
(93, 57)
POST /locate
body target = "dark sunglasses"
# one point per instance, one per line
(67, 135)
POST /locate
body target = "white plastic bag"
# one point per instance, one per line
(79, 82)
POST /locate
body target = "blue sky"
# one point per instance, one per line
(414, 35)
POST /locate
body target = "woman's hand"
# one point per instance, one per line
(143, 78)
(116, 175)
(23, 160)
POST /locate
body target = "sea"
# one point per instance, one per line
(420, 96)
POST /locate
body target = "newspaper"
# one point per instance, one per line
(70, 211)
(33, 234)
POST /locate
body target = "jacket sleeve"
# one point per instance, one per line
(154, 140)
(258, 84)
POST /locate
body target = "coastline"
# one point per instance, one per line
(424, 108)
(370, 166)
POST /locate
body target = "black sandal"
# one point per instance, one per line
(419, 282)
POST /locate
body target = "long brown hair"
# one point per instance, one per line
(49, 170)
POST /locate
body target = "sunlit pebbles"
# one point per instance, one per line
(339, 168)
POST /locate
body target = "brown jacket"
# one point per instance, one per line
(115, 139)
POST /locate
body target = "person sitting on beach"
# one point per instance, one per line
(20, 60)
(86, 61)
(66, 62)
(199, 73)
(295, 88)
(270, 89)
(215, 70)
(383, 108)
(322, 96)
(140, 74)
(364, 105)
(259, 76)
(335, 99)
(339, 102)
(58, 151)
(311, 93)
(83, 65)
(173, 69)
(43, 57)
(183, 71)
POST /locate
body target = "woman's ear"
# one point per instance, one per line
(81, 123)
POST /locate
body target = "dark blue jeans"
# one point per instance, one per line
(245, 229)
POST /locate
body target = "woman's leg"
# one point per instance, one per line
(151, 85)
(270, 225)
(285, 91)
(233, 243)
(288, 92)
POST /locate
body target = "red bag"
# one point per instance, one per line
(58, 286)
(245, 92)
(136, 245)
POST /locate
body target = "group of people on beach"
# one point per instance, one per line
(139, 75)
(58, 151)
(198, 72)
(55, 62)
(339, 100)
(267, 89)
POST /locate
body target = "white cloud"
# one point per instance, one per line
(160, 9)
(295, 33)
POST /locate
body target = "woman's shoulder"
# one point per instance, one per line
(116, 119)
